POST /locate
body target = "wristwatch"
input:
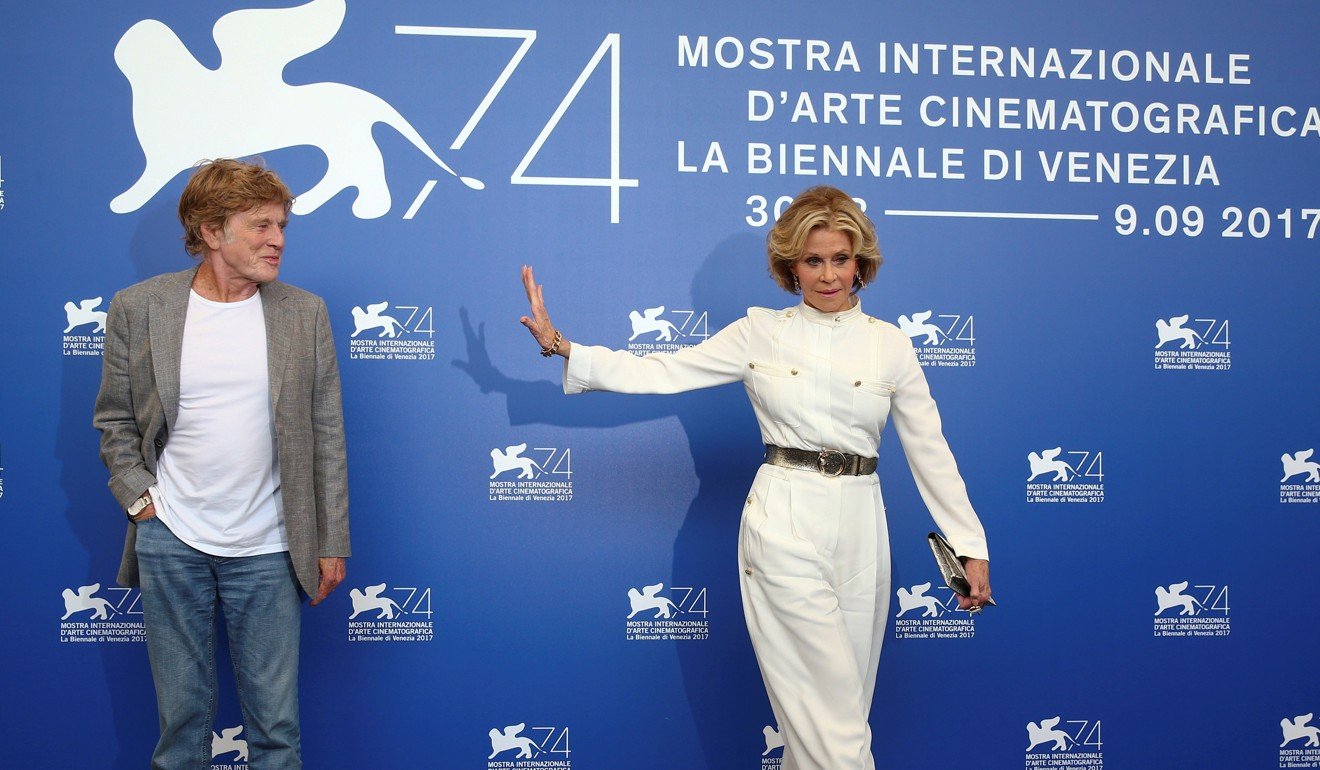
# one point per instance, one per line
(139, 505)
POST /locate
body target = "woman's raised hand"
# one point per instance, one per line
(539, 322)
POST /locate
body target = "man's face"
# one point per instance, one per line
(250, 245)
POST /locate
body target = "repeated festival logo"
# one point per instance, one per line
(1184, 343)
(1300, 746)
(772, 757)
(520, 474)
(84, 328)
(404, 333)
(1072, 476)
(660, 330)
(921, 615)
(384, 614)
(944, 339)
(519, 747)
(1301, 477)
(95, 615)
(1064, 743)
(227, 742)
(2, 472)
(1186, 610)
(657, 615)
(2, 183)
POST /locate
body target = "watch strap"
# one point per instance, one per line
(139, 505)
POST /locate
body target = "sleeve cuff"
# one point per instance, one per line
(577, 370)
(970, 548)
(130, 485)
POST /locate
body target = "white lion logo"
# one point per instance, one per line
(1297, 727)
(509, 459)
(508, 739)
(1300, 463)
(917, 326)
(371, 599)
(1046, 732)
(649, 321)
(183, 111)
(1048, 462)
(646, 599)
(910, 600)
(83, 601)
(1172, 329)
(84, 312)
(1173, 596)
(228, 741)
(773, 740)
(374, 318)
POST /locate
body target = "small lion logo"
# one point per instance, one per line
(1048, 462)
(1047, 731)
(1172, 329)
(649, 322)
(84, 312)
(371, 599)
(83, 600)
(374, 318)
(773, 740)
(508, 739)
(917, 326)
(510, 459)
(916, 597)
(1299, 463)
(228, 741)
(255, 47)
(647, 599)
(1297, 727)
(1173, 596)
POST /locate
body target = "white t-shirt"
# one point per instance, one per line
(218, 478)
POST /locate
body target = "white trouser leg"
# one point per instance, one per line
(815, 602)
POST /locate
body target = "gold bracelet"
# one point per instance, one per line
(554, 346)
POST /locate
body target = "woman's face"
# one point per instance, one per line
(826, 269)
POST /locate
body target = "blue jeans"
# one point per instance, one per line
(181, 588)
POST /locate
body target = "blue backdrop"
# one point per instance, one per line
(1099, 224)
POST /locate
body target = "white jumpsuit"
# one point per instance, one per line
(813, 550)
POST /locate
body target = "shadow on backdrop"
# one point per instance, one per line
(157, 245)
(726, 451)
(96, 520)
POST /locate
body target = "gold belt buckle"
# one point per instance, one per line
(830, 463)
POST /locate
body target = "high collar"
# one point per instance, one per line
(831, 319)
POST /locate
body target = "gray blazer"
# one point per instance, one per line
(139, 401)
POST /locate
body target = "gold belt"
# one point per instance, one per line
(826, 462)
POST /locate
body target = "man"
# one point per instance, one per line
(222, 428)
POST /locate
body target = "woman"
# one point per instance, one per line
(813, 549)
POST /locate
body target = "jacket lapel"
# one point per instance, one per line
(166, 317)
(279, 330)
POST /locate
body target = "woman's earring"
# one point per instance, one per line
(860, 283)
(797, 287)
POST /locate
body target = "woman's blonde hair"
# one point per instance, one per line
(817, 207)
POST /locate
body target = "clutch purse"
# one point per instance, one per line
(951, 568)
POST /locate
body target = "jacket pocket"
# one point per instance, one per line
(871, 399)
(778, 389)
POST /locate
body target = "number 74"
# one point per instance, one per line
(610, 45)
